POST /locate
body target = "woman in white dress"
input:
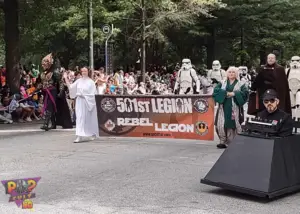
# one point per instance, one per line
(84, 91)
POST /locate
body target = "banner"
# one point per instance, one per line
(181, 117)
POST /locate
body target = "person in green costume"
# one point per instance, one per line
(230, 95)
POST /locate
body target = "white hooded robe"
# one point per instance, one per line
(84, 91)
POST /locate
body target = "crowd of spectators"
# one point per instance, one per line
(27, 105)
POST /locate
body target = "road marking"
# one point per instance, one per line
(64, 130)
(34, 130)
(20, 130)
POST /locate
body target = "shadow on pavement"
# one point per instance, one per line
(241, 196)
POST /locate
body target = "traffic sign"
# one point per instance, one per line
(106, 29)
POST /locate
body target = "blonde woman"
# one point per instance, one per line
(231, 95)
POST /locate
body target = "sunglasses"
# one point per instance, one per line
(295, 60)
(269, 101)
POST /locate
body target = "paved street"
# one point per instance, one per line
(123, 175)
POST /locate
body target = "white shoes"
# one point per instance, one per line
(93, 138)
(80, 139)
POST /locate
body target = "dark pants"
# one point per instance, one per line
(50, 96)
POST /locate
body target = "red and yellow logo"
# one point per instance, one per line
(27, 204)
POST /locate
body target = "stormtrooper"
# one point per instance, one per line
(217, 74)
(186, 78)
(293, 75)
(205, 84)
(244, 76)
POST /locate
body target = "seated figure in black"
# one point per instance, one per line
(272, 112)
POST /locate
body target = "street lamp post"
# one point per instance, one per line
(109, 31)
(91, 34)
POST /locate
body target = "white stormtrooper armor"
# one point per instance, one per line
(186, 76)
(293, 75)
(216, 74)
(205, 84)
(244, 76)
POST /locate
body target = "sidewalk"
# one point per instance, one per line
(27, 125)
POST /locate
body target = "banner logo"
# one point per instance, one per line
(20, 191)
(110, 125)
(108, 105)
(172, 116)
(201, 128)
(201, 106)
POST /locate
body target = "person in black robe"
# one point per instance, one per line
(270, 76)
(63, 115)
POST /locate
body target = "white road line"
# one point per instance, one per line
(63, 130)
(34, 130)
(20, 130)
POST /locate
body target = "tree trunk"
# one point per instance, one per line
(143, 61)
(262, 56)
(91, 35)
(211, 48)
(242, 47)
(12, 55)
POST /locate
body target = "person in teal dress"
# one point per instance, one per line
(230, 95)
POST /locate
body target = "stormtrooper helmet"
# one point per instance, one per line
(186, 64)
(243, 70)
(216, 65)
(295, 62)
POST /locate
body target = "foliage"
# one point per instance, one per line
(2, 42)
(175, 29)
(267, 25)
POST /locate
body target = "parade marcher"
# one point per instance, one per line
(84, 91)
(270, 76)
(245, 77)
(272, 112)
(293, 75)
(50, 80)
(186, 76)
(216, 74)
(231, 95)
(63, 114)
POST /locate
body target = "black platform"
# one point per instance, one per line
(260, 167)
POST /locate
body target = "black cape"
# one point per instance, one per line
(271, 77)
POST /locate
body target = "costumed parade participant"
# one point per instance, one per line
(186, 76)
(50, 80)
(205, 84)
(293, 75)
(216, 74)
(84, 91)
(231, 95)
(245, 77)
(270, 76)
(271, 102)
(63, 114)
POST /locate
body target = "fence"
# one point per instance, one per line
(180, 117)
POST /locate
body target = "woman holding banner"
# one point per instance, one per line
(231, 95)
(84, 91)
